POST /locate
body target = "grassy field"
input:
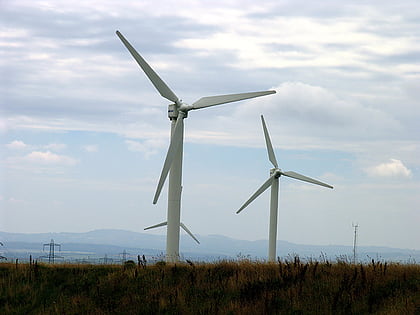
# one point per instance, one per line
(289, 287)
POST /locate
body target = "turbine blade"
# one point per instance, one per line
(260, 190)
(159, 84)
(305, 178)
(271, 155)
(189, 232)
(222, 99)
(156, 225)
(172, 150)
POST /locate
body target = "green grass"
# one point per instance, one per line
(245, 287)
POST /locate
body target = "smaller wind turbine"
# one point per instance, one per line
(180, 224)
(273, 181)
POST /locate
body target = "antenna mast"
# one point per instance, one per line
(355, 242)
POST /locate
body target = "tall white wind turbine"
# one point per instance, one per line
(273, 182)
(173, 162)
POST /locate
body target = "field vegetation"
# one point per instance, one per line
(226, 287)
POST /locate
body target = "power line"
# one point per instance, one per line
(124, 255)
(106, 260)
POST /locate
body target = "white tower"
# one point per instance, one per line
(177, 111)
(273, 182)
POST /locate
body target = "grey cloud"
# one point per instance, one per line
(412, 57)
(35, 86)
(152, 34)
(301, 8)
(303, 109)
(102, 83)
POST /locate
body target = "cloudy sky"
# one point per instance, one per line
(83, 133)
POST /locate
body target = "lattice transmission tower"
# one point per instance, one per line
(51, 256)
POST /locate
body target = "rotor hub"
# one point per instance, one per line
(185, 107)
(276, 172)
(176, 108)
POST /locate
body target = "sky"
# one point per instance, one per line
(84, 134)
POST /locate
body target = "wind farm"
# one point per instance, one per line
(107, 209)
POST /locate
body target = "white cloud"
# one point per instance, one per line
(91, 148)
(12, 200)
(20, 145)
(147, 147)
(17, 145)
(15, 201)
(3, 125)
(49, 158)
(55, 146)
(393, 168)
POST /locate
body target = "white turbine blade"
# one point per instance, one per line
(260, 190)
(189, 232)
(159, 84)
(305, 178)
(156, 225)
(172, 150)
(222, 99)
(271, 155)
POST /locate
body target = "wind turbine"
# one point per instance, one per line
(177, 111)
(273, 181)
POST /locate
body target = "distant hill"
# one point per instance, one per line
(111, 244)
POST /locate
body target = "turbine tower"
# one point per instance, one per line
(273, 182)
(177, 111)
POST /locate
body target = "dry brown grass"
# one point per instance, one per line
(244, 287)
